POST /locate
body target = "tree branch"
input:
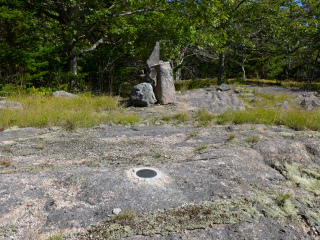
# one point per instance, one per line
(131, 13)
(115, 4)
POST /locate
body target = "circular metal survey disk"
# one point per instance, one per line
(146, 174)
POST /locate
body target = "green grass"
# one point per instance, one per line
(203, 117)
(181, 117)
(252, 139)
(201, 147)
(70, 113)
(294, 118)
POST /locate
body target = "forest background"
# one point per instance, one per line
(100, 45)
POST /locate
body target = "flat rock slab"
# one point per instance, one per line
(67, 181)
(211, 100)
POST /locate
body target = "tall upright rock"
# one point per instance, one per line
(164, 89)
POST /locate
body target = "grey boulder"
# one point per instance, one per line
(224, 87)
(8, 104)
(64, 94)
(142, 95)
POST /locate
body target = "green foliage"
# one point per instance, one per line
(282, 198)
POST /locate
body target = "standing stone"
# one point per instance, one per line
(164, 89)
(154, 57)
(142, 95)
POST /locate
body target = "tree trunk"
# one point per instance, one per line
(221, 68)
(242, 66)
(73, 63)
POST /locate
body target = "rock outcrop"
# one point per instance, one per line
(212, 100)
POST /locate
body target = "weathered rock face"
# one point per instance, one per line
(142, 95)
(281, 152)
(64, 94)
(151, 77)
(8, 104)
(154, 57)
(212, 100)
(164, 89)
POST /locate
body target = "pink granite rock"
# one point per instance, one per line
(164, 89)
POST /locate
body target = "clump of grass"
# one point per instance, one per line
(282, 198)
(231, 137)
(203, 117)
(5, 161)
(294, 118)
(192, 134)
(166, 118)
(125, 216)
(201, 147)
(252, 139)
(70, 113)
(181, 117)
(57, 236)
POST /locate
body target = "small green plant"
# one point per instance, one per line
(282, 197)
(181, 117)
(231, 137)
(252, 139)
(125, 216)
(166, 118)
(158, 155)
(58, 236)
(5, 161)
(203, 117)
(192, 134)
(201, 147)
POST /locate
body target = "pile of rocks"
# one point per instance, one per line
(156, 84)
(310, 101)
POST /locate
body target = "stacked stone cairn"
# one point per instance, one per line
(156, 83)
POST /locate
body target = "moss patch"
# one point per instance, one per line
(193, 216)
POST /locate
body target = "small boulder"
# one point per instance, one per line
(284, 105)
(8, 104)
(64, 94)
(142, 95)
(224, 87)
